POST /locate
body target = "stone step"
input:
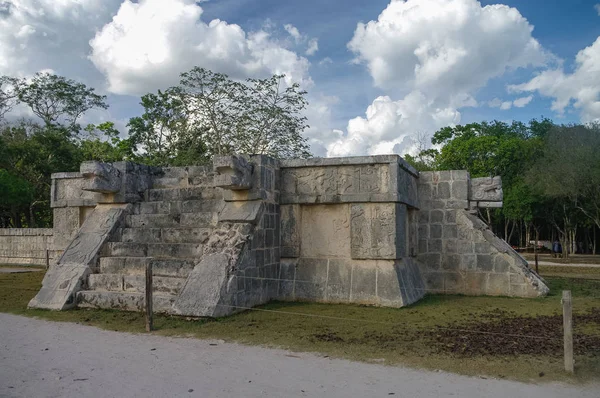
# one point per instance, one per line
(137, 266)
(134, 283)
(181, 194)
(176, 207)
(127, 249)
(127, 301)
(175, 250)
(165, 235)
(197, 220)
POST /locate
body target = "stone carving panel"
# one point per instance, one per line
(486, 189)
(234, 172)
(100, 177)
(325, 231)
(375, 230)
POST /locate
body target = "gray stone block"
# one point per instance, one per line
(392, 285)
(468, 262)
(118, 249)
(434, 282)
(184, 235)
(100, 177)
(435, 245)
(498, 285)
(311, 279)
(175, 250)
(423, 245)
(436, 216)
(485, 262)
(126, 301)
(450, 217)
(451, 262)
(457, 204)
(432, 261)
(453, 283)
(460, 190)
(450, 246)
(501, 263)
(443, 191)
(460, 175)
(339, 279)
(450, 231)
(483, 247)
(110, 282)
(198, 220)
(233, 172)
(152, 221)
(464, 246)
(247, 212)
(364, 285)
(435, 231)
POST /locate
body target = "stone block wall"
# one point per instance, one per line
(345, 228)
(28, 246)
(458, 253)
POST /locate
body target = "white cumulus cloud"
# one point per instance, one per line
(435, 55)
(580, 89)
(444, 47)
(150, 42)
(597, 8)
(392, 126)
(523, 101)
(50, 34)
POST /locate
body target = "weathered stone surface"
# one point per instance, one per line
(65, 278)
(325, 231)
(100, 177)
(204, 286)
(127, 301)
(378, 231)
(246, 212)
(233, 172)
(487, 189)
(290, 230)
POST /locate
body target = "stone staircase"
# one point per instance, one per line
(169, 230)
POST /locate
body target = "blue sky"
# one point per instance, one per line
(563, 27)
(416, 66)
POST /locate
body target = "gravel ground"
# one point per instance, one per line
(46, 359)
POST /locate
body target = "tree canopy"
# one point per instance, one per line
(207, 114)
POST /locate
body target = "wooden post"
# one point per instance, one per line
(47, 258)
(149, 296)
(567, 304)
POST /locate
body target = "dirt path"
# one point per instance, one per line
(46, 359)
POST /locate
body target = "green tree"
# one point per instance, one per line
(8, 95)
(58, 100)
(569, 172)
(161, 129)
(103, 143)
(17, 193)
(260, 116)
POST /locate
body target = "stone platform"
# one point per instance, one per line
(250, 229)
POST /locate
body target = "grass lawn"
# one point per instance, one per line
(467, 335)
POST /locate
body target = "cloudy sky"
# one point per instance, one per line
(381, 74)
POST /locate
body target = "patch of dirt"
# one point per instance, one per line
(504, 333)
(327, 336)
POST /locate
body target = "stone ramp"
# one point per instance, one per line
(65, 278)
